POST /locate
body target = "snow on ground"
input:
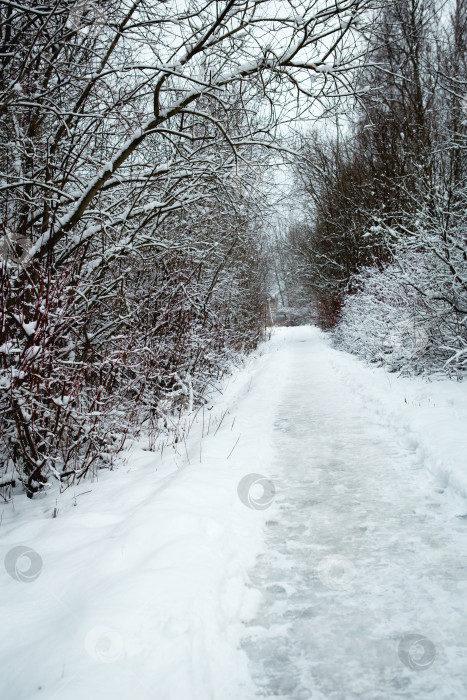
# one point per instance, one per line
(429, 416)
(363, 577)
(141, 586)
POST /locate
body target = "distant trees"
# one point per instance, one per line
(386, 237)
(132, 258)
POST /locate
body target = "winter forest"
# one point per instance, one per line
(184, 184)
(137, 203)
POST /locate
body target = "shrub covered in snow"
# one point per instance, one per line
(412, 315)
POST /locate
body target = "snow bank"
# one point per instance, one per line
(137, 587)
(429, 417)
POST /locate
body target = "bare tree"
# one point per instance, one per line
(130, 134)
(387, 238)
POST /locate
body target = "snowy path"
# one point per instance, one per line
(362, 551)
(156, 582)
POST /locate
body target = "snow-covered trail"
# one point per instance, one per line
(363, 550)
(158, 582)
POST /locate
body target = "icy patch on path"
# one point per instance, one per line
(364, 551)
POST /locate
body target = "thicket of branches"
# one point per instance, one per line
(133, 135)
(384, 249)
